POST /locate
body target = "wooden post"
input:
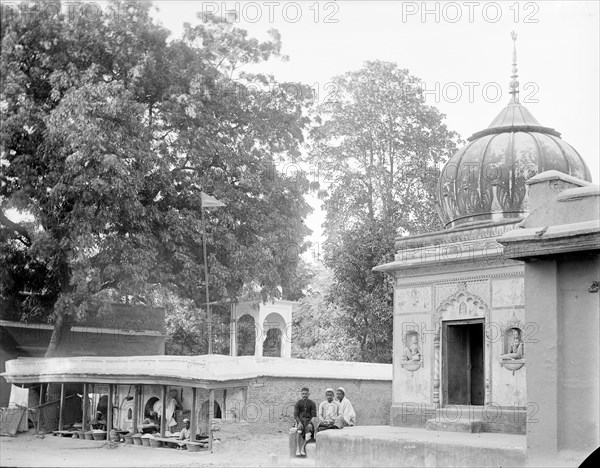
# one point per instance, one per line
(163, 411)
(109, 412)
(85, 414)
(193, 416)
(211, 415)
(39, 421)
(60, 406)
(136, 408)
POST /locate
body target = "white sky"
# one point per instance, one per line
(557, 53)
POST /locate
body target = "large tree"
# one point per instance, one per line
(378, 147)
(109, 134)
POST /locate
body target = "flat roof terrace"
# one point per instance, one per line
(206, 371)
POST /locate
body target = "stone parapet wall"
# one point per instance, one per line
(270, 404)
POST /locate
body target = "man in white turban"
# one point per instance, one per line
(347, 416)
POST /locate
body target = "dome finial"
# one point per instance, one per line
(514, 84)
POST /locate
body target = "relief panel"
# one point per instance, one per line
(416, 299)
(508, 292)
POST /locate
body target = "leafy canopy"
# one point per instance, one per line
(379, 147)
(109, 132)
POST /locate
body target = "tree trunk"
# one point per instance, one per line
(62, 326)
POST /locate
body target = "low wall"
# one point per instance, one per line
(270, 404)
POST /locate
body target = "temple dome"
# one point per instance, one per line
(485, 180)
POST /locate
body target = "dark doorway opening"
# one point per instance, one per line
(463, 362)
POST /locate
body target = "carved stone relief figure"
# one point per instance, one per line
(515, 349)
(412, 349)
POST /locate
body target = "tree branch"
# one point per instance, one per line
(16, 228)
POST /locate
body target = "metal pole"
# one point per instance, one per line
(208, 312)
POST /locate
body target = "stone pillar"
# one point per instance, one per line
(259, 337)
(541, 354)
(232, 336)
(211, 416)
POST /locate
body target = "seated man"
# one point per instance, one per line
(185, 432)
(151, 424)
(329, 410)
(98, 422)
(347, 416)
(305, 411)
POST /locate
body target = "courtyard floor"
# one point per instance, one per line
(27, 449)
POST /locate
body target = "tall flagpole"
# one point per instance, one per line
(208, 312)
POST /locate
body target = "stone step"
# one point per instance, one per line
(460, 425)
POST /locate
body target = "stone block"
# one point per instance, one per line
(311, 450)
(385, 446)
(461, 425)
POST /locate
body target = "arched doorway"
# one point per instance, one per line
(149, 406)
(274, 326)
(102, 405)
(272, 344)
(246, 336)
(126, 414)
(203, 424)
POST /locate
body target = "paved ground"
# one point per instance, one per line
(29, 450)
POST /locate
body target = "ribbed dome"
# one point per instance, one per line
(485, 180)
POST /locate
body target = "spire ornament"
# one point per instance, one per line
(514, 83)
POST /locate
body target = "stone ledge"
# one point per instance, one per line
(384, 446)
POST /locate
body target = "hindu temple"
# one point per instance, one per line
(469, 323)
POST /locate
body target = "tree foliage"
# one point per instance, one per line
(110, 132)
(379, 147)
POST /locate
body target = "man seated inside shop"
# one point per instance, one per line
(98, 422)
(185, 432)
(150, 424)
(329, 410)
(305, 414)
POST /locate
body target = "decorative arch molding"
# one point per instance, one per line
(462, 304)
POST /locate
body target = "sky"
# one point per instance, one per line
(446, 44)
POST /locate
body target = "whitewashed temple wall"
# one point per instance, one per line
(421, 303)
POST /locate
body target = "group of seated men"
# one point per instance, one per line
(151, 425)
(333, 413)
